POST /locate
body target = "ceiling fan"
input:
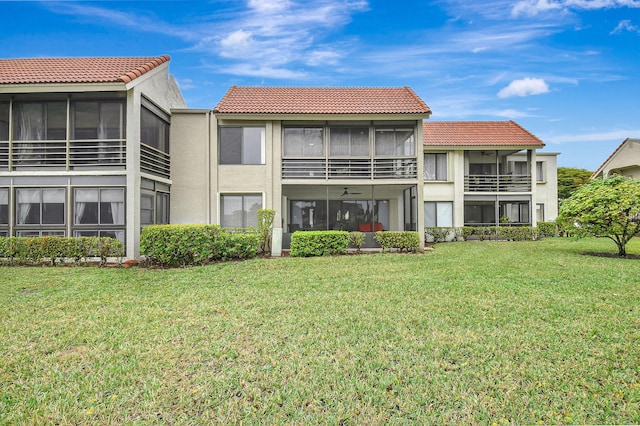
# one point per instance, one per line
(346, 192)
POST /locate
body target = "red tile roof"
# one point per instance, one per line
(76, 70)
(477, 133)
(321, 100)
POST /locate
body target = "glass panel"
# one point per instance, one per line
(253, 145)
(539, 172)
(230, 145)
(146, 209)
(154, 131)
(162, 208)
(349, 142)
(112, 206)
(53, 206)
(85, 120)
(430, 168)
(4, 206)
(430, 214)
(4, 121)
(339, 142)
(28, 121)
(56, 119)
(252, 203)
(231, 211)
(111, 124)
(385, 142)
(480, 213)
(445, 214)
(307, 142)
(28, 206)
(441, 166)
(85, 206)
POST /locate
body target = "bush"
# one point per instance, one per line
(441, 234)
(516, 233)
(184, 245)
(401, 240)
(52, 250)
(265, 220)
(319, 243)
(356, 239)
(548, 229)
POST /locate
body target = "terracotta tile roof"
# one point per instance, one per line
(321, 100)
(477, 133)
(613, 154)
(76, 70)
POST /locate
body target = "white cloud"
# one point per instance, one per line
(524, 87)
(614, 135)
(625, 25)
(535, 7)
(265, 72)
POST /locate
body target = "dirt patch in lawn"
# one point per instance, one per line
(611, 255)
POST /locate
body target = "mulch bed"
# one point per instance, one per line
(611, 255)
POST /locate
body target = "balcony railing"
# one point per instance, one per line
(154, 161)
(93, 153)
(379, 168)
(497, 183)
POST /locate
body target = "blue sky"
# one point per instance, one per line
(567, 70)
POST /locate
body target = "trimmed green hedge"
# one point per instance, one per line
(52, 250)
(548, 229)
(319, 243)
(184, 245)
(401, 240)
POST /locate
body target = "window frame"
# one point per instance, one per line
(244, 146)
(438, 221)
(396, 144)
(41, 224)
(438, 172)
(244, 219)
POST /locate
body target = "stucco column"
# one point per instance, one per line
(133, 174)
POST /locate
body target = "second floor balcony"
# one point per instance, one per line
(378, 168)
(497, 183)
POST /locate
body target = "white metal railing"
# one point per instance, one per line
(97, 153)
(378, 168)
(154, 161)
(497, 183)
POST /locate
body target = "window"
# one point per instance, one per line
(540, 172)
(480, 213)
(435, 166)
(4, 207)
(117, 234)
(439, 213)
(394, 142)
(99, 206)
(349, 142)
(97, 120)
(39, 121)
(4, 121)
(540, 212)
(242, 145)
(154, 131)
(40, 206)
(38, 233)
(162, 207)
(147, 209)
(303, 142)
(240, 211)
(514, 212)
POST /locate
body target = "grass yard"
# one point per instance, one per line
(475, 332)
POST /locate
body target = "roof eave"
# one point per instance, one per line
(61, 87)
(319, 117)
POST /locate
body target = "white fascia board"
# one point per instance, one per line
(62, 88)
(321, 117)
(150, 74)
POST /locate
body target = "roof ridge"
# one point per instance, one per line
(144, 68)
(615, 151)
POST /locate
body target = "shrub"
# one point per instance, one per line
(265, 220)
(401, 240)
(52, 250)
(183, 245)
(516, 233)
(356, 239)
(319, 243)
(548, 229)
(440, 234)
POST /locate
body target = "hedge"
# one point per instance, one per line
(52, 250)
(185, 245)
(400, 240)
(318, 243)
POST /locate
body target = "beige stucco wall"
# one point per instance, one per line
(626, 161)
(547, 190)
(190, 166)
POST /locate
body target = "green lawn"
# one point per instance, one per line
(476, 332)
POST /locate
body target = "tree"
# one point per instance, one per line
(570, 179)
(605, 208)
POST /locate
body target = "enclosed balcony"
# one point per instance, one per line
(497, 171)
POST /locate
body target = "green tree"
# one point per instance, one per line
(605, 208)
(570, 179)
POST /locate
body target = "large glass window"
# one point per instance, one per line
(540, 177)
(303, 142)
(242, 145)
(439, 213)
(154, 131)
(480, 213)
(40, 206)
(514, 212)
(97, 120)
(435, 166)
(99, 206)
(349, 142)
(239, 210)
(395, 142)
(39, 121)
